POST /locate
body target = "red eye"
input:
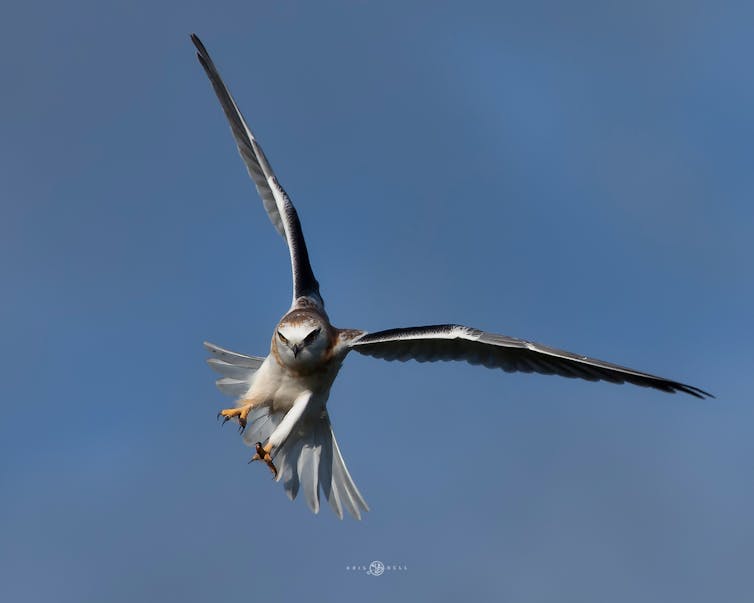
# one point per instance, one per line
(283, 339)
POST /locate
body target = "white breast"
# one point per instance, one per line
(280, 387)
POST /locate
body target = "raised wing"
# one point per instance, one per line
(455, 342)
(279, 207)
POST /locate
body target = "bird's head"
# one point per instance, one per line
(302, 338)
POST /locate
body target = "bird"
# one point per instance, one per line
(281, 398)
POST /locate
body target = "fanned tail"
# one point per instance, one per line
(309, 461)
(237, 369)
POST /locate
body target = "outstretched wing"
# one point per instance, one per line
(456, 342)
(279, 207)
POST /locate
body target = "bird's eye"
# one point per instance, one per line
(311, 336)
(282, 338)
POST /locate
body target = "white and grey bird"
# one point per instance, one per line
(281, 399)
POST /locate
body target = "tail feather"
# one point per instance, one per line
(350, 494)
(261, 423)
(237, 370)
(232, 387)
(234, 371)
(329, 488)
(308, 471)
(309, 461)
(286, 460)
(233, 357)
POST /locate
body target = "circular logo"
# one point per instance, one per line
(376, 568)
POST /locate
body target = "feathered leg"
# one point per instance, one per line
(282, 431)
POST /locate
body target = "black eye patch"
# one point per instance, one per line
(283, 339)
(311, 336)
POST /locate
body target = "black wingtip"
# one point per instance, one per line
(202, 54)
(198, 43)
(702, 394)
(693, 391)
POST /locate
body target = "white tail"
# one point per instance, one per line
(309, 461)
(237, 369)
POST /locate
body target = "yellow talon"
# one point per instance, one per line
(263, 454)
(241, 413)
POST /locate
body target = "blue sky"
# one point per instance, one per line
(578, 174)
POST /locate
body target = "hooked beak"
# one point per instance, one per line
(295, 349)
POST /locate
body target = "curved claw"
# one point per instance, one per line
(225, 418)
(239, 413)
(264, 455)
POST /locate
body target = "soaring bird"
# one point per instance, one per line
(281, 399)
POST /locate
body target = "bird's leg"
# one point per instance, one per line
(282, 431)
(263, 454)
(240, 412)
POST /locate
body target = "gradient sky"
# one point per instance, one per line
(579, 174)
